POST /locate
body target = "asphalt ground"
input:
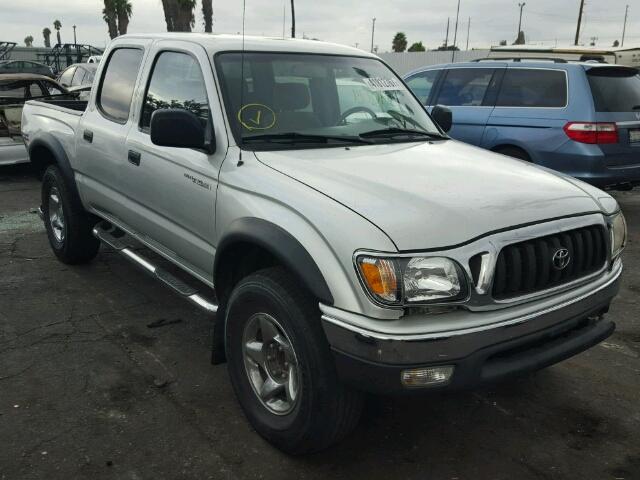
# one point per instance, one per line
(88, 390)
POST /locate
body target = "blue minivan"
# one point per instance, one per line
(582, 119)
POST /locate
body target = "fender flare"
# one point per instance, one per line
(286, 248)
(53, 145)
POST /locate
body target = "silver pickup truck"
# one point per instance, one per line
(352, 245)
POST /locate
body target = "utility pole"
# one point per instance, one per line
(446, 39)
(74, 35)
(521, 5)
(624, 29)
(293, 19)
(373, 31)
(455, 35)
(468, 31)
(579, 22)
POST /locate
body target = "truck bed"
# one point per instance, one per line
(77, 105)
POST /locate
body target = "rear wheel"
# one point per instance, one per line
(514, 152)
(68, 225)
(281, 367)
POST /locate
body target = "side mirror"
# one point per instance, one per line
(443, 116)
(175, 127)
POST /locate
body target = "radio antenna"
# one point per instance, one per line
(244, 11)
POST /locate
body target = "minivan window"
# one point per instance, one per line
(422, 83)
(528, 87)
(615, 89)
(118, 82)
(465, 87)
(78, 78)
(176, 82)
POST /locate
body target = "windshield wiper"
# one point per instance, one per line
(407, 132)
(295, 137)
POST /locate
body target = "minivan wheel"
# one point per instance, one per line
(67, 224)
(281, 367)
(514, 152)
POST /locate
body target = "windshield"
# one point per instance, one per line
(295, 99)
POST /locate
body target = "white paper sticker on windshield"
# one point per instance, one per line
(382, 84)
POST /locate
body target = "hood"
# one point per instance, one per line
(433, 195)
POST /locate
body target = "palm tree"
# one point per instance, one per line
(179, 15)
(57, 25)
(28, 41)
(110, 16)
(207, 13)
(124, 11)
(46, 33)
(399, 42)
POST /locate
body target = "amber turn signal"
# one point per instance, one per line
(380, 278)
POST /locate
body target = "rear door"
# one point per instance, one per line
(467, 91)
(101, 157)
(616, 97)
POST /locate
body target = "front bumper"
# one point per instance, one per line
(372, 360)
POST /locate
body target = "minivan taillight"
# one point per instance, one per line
(590, 132)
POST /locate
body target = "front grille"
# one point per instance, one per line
(528, 267)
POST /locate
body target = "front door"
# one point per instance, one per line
(174, 189)
(467, 92)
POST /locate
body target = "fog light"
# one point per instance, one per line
(424, 377)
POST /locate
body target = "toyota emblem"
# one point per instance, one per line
(561, 259)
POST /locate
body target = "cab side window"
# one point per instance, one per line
(176, 82)
(465, 87)
(118, 83)
(421, 84)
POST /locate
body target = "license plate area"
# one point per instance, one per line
(634, 136)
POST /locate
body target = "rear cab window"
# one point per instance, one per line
(615, 89)
(532, 87)
(118, 83)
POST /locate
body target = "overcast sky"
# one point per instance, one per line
(343, 21)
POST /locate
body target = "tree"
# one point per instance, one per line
(46, 33)
(616, 43)
(417, 47)
(110, 16)
(28, 41)
(57, 25)
(447, 48)
(399, 42)
(178, 14)
(207, 13)
(123, 12)
(503, 43)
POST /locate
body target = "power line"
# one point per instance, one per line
(624, 28)
(579, 22)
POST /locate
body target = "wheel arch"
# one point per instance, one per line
(248, 246)
(512, 146)
(47, 150)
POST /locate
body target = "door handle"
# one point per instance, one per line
(88, 135)
(134, 157)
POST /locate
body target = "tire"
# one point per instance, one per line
(68, 225)
(514, 152)
(324, 410)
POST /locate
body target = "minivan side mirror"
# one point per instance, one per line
(443, 117)
(176, 127)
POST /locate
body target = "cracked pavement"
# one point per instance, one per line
(87, 390)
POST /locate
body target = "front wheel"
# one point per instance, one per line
(68, 225)
(281, 367)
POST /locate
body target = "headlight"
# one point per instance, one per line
(618, 228)
(401, 281)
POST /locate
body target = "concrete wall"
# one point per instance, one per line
(405, 62)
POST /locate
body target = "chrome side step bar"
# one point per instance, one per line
(106, 235)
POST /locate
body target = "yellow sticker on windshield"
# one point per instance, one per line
(256, 116)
